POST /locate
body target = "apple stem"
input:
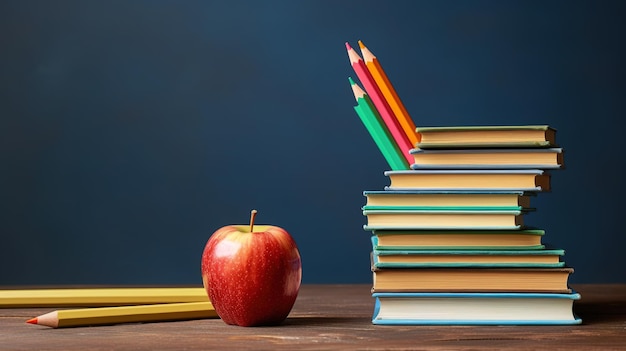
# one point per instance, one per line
(252, 216)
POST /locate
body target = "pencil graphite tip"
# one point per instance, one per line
(361, 45)
(348, 47)
(32, 321)
(351, 81)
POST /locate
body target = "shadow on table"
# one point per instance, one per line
(600, 312)
(308, 321)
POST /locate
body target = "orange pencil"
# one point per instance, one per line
(388, 91)
(381, 105)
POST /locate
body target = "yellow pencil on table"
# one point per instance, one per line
(126, 314)
(389, 92)
(99, 297)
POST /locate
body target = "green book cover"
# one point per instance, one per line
(449, 257)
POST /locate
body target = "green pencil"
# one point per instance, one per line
(377, 129)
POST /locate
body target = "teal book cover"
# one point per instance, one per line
(418, 258)
(475, 308)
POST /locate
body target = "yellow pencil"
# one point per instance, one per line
(388, 91)
(126, 314)
(99, 297)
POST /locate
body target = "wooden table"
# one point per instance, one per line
(332, 317)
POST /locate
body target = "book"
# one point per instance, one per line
(475, 308)
(416, 258)
(125, 314)
(99, 296)
(546, 158)
(470, 179)
(518, 239)
(378, 130)
(489, 198)
(444, 218)
(481, 279)
(486, 136)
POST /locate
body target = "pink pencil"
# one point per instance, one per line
(380, 103)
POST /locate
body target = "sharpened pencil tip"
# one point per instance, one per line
(348, 47)
(361, 45)
(351, 81)
(32, 321)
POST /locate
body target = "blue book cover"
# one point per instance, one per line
(475, 308)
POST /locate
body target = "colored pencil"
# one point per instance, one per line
(389, 93)
(99, 297)
(125, 314)
(377, 129)
(358, 65)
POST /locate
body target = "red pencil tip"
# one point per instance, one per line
(32, 321)
(348, 47)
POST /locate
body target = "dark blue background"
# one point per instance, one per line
(131, 130)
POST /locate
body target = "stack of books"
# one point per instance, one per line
(449, 242)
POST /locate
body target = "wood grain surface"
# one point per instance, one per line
(332, 317)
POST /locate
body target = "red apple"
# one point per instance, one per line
(252, 274)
